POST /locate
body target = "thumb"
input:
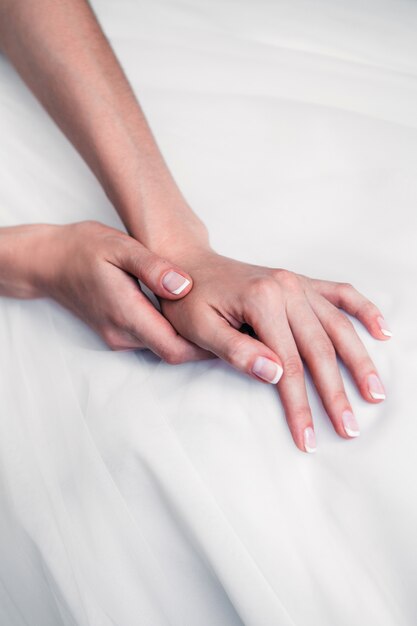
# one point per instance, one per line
(161, 276)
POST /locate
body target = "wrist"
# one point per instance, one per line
(192, 254)
(26, 260)
(166, 227)
(155, 212)
(174, 241)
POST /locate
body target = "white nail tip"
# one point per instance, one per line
(181, 287)
(309, 440)
(352, 433)
(386, 332)
(265, 368)
(383, 327)
(377, 396)
(278, 375)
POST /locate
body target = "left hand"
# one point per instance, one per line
(294, 317)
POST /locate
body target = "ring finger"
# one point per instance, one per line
(318, 352)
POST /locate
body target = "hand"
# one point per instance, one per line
(294, 318)
(92, 270)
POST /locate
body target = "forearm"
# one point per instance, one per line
(26, 259)
(61, 53)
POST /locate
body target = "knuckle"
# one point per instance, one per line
(293, 366)
(121, 323)
(300, 414)
(181, 357)
(137, 265)
(165, 353)
(264, 287)
(169, 357)
(172, 355)
(366, 309)
(289, 280)
(112, 338)
(324, 349)
(344, 289)
(175, 358)
(339, 323)
(92, 227)
(148, 265)
(234, 351)
(89, 224)
(94, 224)
(339, 396)
(364, 365)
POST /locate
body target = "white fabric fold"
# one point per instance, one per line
(135, 492)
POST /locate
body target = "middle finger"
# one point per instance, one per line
(319, 353)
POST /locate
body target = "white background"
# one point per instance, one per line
(134, 492)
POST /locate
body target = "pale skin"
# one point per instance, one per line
(62, 54)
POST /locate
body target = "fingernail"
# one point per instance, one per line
(267, 370)
(375, 387)
(350, 424)
(384, 327)
(174, 282)
(309, 440)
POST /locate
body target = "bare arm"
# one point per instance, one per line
(62, 54)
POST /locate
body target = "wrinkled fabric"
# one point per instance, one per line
(137, 492)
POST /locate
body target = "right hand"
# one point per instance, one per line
(92, 270)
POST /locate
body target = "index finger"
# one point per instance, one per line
(275, 332)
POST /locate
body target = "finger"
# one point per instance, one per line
(161, 276)
(349, 347)
(120, 340)
(155, 332)
(345, 296)
(274, 331)
(319, 354)
(123, 341)
(241, 351)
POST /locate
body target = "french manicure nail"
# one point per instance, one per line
(267, 370)
(385, 330)
(174, 282)
(350, 424)
(309, 440)
(375, 387)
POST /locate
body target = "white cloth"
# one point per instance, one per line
(133, 492)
